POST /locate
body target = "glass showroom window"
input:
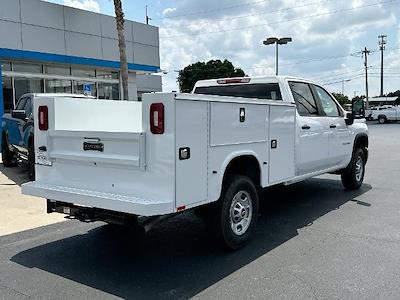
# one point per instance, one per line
(79, 88)
(7, 94)
(57, 70)
(108, 91)
(27, 68)
(27, 85)
(86, 73)
(5, 66)
(58, 86)
(106, 74)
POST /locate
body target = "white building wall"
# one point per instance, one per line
(34, 25)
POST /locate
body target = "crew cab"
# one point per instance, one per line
(385, 114)
(210, 151)
(17, 133)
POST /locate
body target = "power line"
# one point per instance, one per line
(208, 11)
(283, 21)
(267, 12)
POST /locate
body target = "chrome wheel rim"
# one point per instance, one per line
(241, 212)
(359, 168)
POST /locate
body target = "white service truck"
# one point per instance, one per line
(211, 151)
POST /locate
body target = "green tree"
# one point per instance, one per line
(342, 99)
(206, 70)
(394, 94)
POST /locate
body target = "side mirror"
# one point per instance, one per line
(18, 114)
(358, 109)
(349, 119)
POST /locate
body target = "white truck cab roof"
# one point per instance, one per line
(248, 80)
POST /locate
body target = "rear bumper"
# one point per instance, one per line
(113, 202)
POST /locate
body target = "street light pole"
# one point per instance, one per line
(277, 41)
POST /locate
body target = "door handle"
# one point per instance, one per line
(332, 126)
(305, 127)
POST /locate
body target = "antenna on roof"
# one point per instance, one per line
(147, 17)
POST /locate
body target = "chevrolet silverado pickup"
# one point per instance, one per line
(210, 151)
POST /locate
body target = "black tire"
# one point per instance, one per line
(382, 119)
(7, 156)
(353, 175)
(229, 210)
(31, 162)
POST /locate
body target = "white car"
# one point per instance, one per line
(211, 151)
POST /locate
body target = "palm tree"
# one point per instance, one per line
(119, 17)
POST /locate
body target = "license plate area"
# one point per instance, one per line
(88, 146)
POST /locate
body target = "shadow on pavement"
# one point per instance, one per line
(19, 175)
(177, 259)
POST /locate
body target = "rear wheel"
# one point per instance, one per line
(236, 212)
(382, 119)
(7, 156)
(353, 175)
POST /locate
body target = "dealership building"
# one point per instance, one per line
(51, 48)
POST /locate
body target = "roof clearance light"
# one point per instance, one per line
(233, 80)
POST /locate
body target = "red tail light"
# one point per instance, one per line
(43, 113)
(157, 118)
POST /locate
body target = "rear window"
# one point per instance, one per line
(268, 91)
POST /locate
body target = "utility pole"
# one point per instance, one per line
(366, 53)
(147, 17)
(382, 43)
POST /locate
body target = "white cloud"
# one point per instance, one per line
(168, 10)
(91, 5)
(319, 29)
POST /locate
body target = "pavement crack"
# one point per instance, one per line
(14, 290)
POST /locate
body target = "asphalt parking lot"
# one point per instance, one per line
(314, 240)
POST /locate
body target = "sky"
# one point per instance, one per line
(328, 36)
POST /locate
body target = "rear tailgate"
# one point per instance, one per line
(96, 153)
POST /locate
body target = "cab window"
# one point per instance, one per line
(328, 105)
(28, 107)
(270, 91)
(21, 104)
(305, 101)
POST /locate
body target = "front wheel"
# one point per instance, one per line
(237, 212)
(353, 175)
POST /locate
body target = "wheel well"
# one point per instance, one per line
(362, 143)
(246, 165)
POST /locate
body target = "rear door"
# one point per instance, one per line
(312, 151)
(333, 119)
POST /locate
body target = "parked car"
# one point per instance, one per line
(210, 151)
(17, 133)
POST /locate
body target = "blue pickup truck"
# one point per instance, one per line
(17, 144)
